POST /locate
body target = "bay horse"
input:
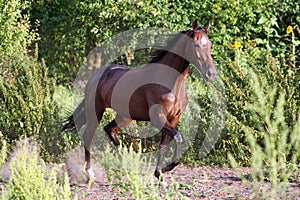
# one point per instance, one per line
(154, 92)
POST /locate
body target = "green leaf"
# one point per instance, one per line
(296, 42)
(262, 20)
(259, 41)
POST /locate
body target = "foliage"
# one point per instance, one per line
(26, 91)
(130, 173)
(24, 96)
(274, 145)
(30, 178)
(246, 35)
(15, 33)
(239, 92)
(3, 151)
(64, 46)
(27, 105)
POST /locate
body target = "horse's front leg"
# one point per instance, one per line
(168, 134)
(178, 142)
(176, 158)
(161, 154)
(159, 120)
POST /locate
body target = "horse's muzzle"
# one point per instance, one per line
(210, 74)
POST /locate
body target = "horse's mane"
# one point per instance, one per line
(163, 49)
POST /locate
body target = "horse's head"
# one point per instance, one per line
(199, 51)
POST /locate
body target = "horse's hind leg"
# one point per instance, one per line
(114, 127)
(91, 127)
(87, 141)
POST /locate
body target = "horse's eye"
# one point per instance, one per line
(197, 45)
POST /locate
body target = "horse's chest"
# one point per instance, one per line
(174, 104)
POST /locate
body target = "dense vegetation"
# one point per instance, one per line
(255, 48)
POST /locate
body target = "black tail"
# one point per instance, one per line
(76, 120)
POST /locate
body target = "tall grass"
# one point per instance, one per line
(274, 145)
(131, 174)
(3, 150)
(30, 178)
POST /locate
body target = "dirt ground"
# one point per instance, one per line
(194, 183)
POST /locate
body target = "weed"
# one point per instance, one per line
(275, 146)
(130, 173)
(30, 178)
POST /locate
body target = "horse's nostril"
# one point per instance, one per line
(208, 74)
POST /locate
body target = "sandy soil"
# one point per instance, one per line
(194, 183)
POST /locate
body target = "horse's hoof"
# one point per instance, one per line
(170, 167)
(158, 174)
(116, 141)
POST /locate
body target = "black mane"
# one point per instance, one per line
(163, 50)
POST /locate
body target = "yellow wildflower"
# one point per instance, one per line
(289, 29)
(236, 45)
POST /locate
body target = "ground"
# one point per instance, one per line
(194, 183)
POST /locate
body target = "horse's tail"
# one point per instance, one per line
(76, 120)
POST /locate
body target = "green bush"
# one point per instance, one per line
(274, 144)
(26, 95)
(30, 178)
(27, 107)
(64, 46)
(279, 67)
(131, 173)
(246, 35)
(15, 33)
(3, 151)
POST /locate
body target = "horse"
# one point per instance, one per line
(154, 92)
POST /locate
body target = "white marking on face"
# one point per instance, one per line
(203, 41)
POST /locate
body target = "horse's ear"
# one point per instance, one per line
(194, 25)
(206, 26)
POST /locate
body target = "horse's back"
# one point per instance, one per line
(103, 82)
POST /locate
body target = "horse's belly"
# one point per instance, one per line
(136, 108)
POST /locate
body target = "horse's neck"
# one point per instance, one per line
(181, 66)
(176, 62)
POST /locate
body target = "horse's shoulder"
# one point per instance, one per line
(168, 98)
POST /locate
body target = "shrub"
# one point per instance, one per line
(64, 46)
(3, 151)
(30, 178)
(27, 105)
(274, 144)
(15, 33)
(130, 173)
(278, 67)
